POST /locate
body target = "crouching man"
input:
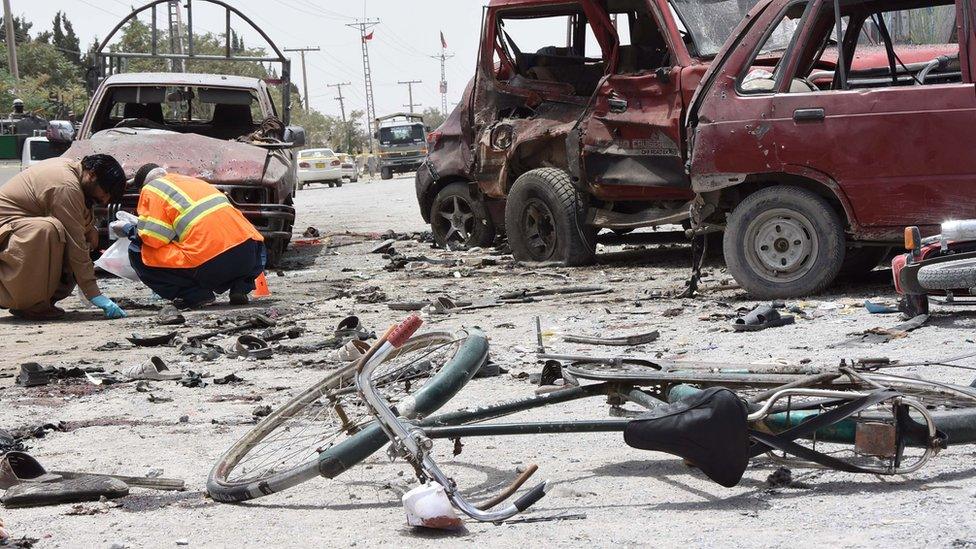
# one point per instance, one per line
(190, 242)
(46, 234)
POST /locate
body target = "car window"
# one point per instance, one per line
(41, 150)
(559, 48)
(642, 46)
(316, 153)
(922, 40)
(762, 71)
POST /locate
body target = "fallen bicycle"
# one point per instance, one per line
(847, 418)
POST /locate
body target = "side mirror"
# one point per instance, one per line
(294, 135)
(60, 131)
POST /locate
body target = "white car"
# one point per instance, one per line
(35, 150)
(349, 169)
(319, 166)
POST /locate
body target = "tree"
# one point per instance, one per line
(433, 117)
(22, 29)
(63, 38)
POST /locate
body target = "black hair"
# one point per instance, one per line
(109, 174)
(140, 179)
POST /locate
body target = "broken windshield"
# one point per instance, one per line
(710, 22)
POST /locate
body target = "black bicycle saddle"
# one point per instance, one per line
(709, 429)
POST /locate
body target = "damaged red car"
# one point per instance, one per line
(824, 127)
(573, 123)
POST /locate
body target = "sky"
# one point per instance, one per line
(407, 34)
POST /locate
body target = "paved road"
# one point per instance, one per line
(7, 171)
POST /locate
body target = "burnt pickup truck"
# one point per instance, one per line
(553, 142)
(222, 129)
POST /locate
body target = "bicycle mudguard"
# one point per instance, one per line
(468, 359)
(708, 428)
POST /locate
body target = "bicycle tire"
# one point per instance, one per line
(949, 275)
(358, 439)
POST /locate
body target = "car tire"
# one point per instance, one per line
(386, 173)
(783, 242)
(331, 185)
(545, 219)
(458, 219)
(300, 186)
(859, 261)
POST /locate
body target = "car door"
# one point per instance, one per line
(899, 149)
(632, 141)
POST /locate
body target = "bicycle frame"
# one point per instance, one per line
(414, 440)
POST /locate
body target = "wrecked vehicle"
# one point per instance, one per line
(814, 165)
(552, 143)
(222, 129)
(939, 265)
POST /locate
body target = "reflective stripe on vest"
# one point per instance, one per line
(197, 211)
(170, 193)
(156, 228)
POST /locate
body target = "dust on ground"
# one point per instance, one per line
(629, 497)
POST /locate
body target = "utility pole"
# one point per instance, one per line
(342, 111)
(175, 35)
(304, 74)
(444, 56)
(364, 25)
(8, 21)
(410, 84)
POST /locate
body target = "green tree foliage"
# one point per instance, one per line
(433, 117)
(22, 29)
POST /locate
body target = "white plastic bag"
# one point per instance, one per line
(116, 260)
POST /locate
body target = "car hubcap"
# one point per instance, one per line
(781, 245)
(457, 220)
(540, 230)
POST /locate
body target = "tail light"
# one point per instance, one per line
(335, 162)
(303, 165)
(433, 138)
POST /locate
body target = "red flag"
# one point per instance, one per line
(368, 36)
(443, 42)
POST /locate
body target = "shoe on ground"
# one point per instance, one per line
(153, 369)
(239, 299)
(185, 305)
(43, 313)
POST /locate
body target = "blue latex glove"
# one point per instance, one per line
(111, 309)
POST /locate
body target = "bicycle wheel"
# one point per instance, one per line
(327, 428)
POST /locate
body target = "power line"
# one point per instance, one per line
(342, 110)
(304, 74)
(363, 25)
(409, 84)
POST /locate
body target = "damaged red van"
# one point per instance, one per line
(813, 153)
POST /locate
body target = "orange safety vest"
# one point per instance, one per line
(185, 222)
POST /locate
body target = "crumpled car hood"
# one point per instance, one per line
(214, 160)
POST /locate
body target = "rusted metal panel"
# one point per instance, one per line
(214, 160)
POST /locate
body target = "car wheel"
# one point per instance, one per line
(386, 173)
(338, 183)
(859, 261)
(458, 220)
(331, 184)
(784, 242)
(545, 219)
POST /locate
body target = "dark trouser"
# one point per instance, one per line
(233, 270)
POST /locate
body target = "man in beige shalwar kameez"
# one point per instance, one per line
(46, 234)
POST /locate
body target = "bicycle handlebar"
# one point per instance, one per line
(413, 443)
